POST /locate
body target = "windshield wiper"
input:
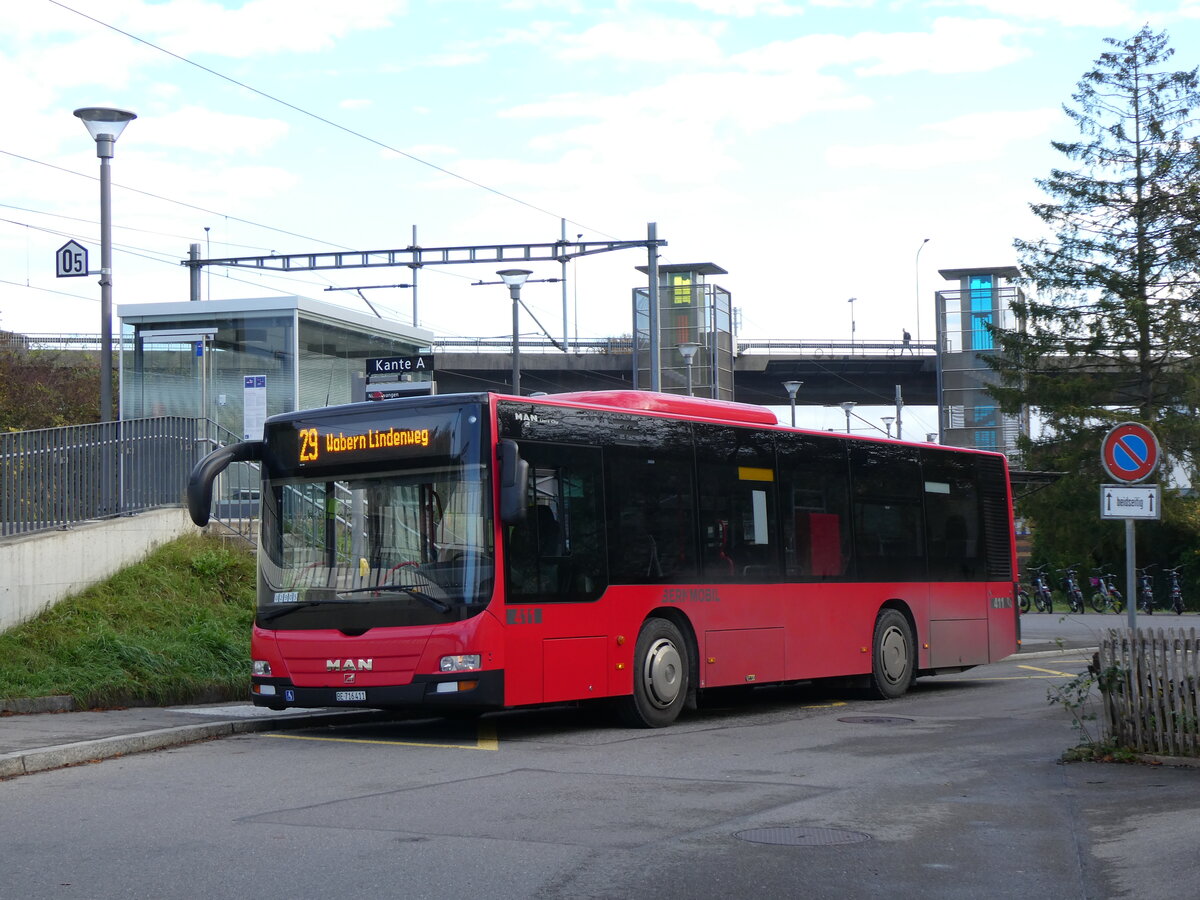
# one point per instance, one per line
(409, 589)
(285, 608)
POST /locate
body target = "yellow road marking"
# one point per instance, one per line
(1019, 678)
(826, 705)
(487, 740)
(1047, 671)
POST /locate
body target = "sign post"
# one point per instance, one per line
(1129, 454)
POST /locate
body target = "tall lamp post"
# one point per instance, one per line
(847, 406)
(791, 387)
(105, 126)
(852, 327)
(688, 351)
(917, 282)
(514, 278)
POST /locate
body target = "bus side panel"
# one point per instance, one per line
(830, 627)
(1003, 624)
(958, 624)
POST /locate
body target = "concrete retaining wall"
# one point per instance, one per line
(38, 570)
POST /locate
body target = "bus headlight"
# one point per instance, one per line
(260, 667)
(464, 662)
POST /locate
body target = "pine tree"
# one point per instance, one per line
(1112, 331)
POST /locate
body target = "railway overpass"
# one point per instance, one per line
(866, 372)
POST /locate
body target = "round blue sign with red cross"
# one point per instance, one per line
(1129, 452)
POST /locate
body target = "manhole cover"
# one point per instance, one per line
(875, 720)
(801, 836)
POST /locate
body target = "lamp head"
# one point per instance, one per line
(791, 387)
(101, 120)
(687, 350)
(514, 277)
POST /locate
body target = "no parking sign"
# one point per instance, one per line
(1129, 452)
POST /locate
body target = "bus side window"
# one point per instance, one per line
(738, 528)
(952, 517)
(889, 537)
(815, 492)
(557, 552)
(651, 516)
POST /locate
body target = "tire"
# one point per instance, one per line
(661, 677)
(1118, 602)
(893, 656)
(1177, 604)
(1077, 602)
(1045, 604)
(1023, 601)
(1098, 602)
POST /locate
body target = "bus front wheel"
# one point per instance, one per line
(893, 656)
(660, 676)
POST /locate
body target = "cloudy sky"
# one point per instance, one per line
(806, 146)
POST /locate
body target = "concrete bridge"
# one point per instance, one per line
(866, 372)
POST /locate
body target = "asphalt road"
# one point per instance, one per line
(955, 790)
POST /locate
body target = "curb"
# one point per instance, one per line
(31, 705)
(27, 762)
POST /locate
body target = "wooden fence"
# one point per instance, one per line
(1149, 680)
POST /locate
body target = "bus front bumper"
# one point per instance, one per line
(460, 691)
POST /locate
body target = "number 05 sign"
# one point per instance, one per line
(71, 260)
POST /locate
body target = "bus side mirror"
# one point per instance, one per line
(205, 472)
(514, 482)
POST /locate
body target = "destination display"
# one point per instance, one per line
(310, 443)
(314, 444)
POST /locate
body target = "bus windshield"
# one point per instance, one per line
(358, 540)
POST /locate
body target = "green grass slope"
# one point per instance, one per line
(174, 628)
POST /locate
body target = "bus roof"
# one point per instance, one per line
(668, 404)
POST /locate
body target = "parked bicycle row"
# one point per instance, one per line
(1105, 596)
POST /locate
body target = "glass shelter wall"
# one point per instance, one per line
(332, 354)
(190, 368)
(238, 361)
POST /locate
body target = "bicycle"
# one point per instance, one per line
(1176, 589)
(1107, 597)
(1043, 598)
(1071, 586)
(1145, 598)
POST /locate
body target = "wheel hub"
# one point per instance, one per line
(893, 656)
(663, 674)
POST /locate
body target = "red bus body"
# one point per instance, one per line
(754, 624)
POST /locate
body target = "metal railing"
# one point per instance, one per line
(53, 478)
(608, 345)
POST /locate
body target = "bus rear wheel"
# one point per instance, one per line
(893, 656)
(661, 675)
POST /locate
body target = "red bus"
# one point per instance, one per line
(479, 551)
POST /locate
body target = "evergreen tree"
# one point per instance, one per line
(1112, 331)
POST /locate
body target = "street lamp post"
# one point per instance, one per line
(514, 278)
(791, 387)
(917, 282)
(105, 126)
(688, 351)
(887, 423)
(847, 406)
(852, 326)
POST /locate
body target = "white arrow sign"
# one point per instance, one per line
(1123, 501)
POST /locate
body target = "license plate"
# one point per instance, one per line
(349, 696)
